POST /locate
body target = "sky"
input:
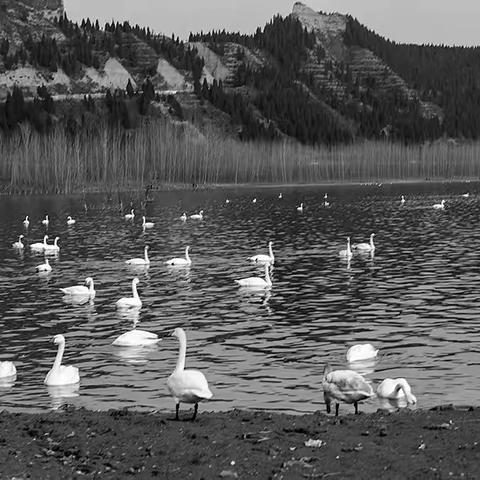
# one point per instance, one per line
(409, 21)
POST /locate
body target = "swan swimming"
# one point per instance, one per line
(146, 224)
(439, 206)
(326, 203)
(300, 207)
(262, 258)
(183, 217)
(254, 200)
(347, 253)
(280, 195)
(396, 388)
(52, 248)
(46, 221)
(70, 220)
(44, 267)
(26, 222)
(7, 369)
(131, 302)
(180, 261)
(136, 338)
(186, 386)
(465, 195)
(18, 244)
(227, 201)
(61, 374)
(131, 215)
(402, 200)
(81, 290)
(360, 352)
(39, 245)
(365, 247)
(257, 282)
(344, 386)
(140, 261)
(197, 216)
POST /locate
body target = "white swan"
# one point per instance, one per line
(140, 261)
(465, 195)
(254, 200)
(262, 258)
(70, 220)
(44, 267)
(402, 200)
(344, 386)
(26, 222)
(326, 203)
(396, 388)
(81, 290)
(146, 224)
(7, 369)
(180, 261)
(54, 248)
(61, 374)
(300, 207)
(280, 195)
(347, 253)
(439, 206)
(257, 282)
(360, 352)
(197, 216)
(136, 338)
(46, 221)
(183, 217)
(227, 200)
(131, 302)
(365, 247)
(18, 244)
(186, 386)
(40, 245)
(131, 215)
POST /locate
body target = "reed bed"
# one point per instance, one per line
(162, 153)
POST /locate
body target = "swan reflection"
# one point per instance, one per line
(8, 382)
(60, 394)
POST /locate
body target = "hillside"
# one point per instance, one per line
(311, 77)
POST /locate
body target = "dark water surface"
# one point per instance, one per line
(417, 299)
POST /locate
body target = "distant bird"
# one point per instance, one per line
(183, 217)
(439, 206)
(70, 220)
(344, 386)
(347, 253)
(227, 201)
(300, 207)
(133, 301)
(197, 216)
(396, 388)
(280, 195)
(179, 261)
(81, 290)
(26, 222)
(360, 352)
(365, 247)
(19, 245)
(254, 200)
(256, 282)
(186, 386)
(46, 221)
(44, 267)
(140, 261)
(61, 374)
(146, 224)
(402, 200)
(465, 195)
(262, 258)
(131, 215)
(326, 203)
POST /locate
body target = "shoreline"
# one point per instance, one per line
(443, 442)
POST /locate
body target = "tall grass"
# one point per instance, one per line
(162, 153)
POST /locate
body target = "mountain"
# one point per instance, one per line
(310, 77)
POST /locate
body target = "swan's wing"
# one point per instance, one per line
(189, 386)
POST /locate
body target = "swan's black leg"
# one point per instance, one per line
(337, 406)
(327, 404)
(195, 410)
(177, 408)
(356, 408)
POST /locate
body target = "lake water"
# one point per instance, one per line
(417, 299)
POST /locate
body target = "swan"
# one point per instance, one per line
(40, 245)
(280, 195)
(465, 195)
(7, 369)
(256, 282)
(197, 216)
(44, 267)
(180, 261)
(183, 217)
(262, 258)
(81, 290)
(187, 386)
(136, 338)
(70, 220)
(46, 221)
(131, 302)
(402, 200)
(52, 248)
(26, 222)
(61, 374)
(300, 207)
(140, 261)
(131, 215)
(360, 352)
(227, 201)
(395, 388)
(146, 224)
(365, 247)
(347, 253)
(254, 200)
(344, 386)
(326, 203)
(439, 206)
(18, 244)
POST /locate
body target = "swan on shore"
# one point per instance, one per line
(365, 247)
(39, 245)
(54, 248)
(396, 388)
(133, 301)
(7, 369)
(344, 386)
(363, 351)
(347, 253)
(439, 206)
(197, 216)
(70, 220)
(131, 215)
(26, 222)
(81, 290)
(46, 221)
(44, 267)
(18, 244)
(146, 224)
(186, 386)
(61, 374)
(140, 261)
(300, 207)
(262, 258)
(256, 282)
(178, 261)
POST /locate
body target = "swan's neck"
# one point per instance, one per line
(270, 251)
(371, 242)
(403, 385)
(58, 358)
(45, 239)
(91, 286)
(134, 290)
(146, 256)
(181, 353)
(267, 275)
(349, 250)
(55, 242)
(187, 256)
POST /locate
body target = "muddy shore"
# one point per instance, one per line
(439, 443)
